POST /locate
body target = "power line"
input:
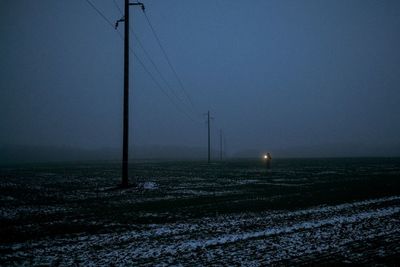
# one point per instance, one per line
(159, 86)
(139, 60)
(152, 61)
(168, 60)
(158, 70)
(120, 10)
(100, 13)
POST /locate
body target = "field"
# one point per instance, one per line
(319, 211)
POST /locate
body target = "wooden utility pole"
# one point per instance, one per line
(220, 144)
(125, 136)
(209, 143)
(224, 140)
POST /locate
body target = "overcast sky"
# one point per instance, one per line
(274, 74)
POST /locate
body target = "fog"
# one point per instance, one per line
(297, 78)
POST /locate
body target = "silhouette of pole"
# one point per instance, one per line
(209, 143)
(126, 99)
(125, 135)
(224, 152)
(220, 144)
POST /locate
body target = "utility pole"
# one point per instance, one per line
(224, 140)
(220, 144)
(208, 123)
(125, 136)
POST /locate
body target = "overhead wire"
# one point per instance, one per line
(159, 86)
(138, 59)
(158, 70)
(152, 62)
(116, 4)
(169, 61)
(100, 13)
(179, 99)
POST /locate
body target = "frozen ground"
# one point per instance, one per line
(302, 212)
(346, 233)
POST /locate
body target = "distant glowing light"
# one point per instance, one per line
(265, 156)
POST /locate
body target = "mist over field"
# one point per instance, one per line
(29, 154)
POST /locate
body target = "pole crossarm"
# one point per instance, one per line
(130, 4)
(138, 4)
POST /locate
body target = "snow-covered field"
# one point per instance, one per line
(330, 232)
(220, 217)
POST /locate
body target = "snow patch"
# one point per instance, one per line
(149, 186)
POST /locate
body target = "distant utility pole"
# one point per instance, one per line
(209, 118)
(209, 143)
(225, 147)
(125, 136)
(220, 144)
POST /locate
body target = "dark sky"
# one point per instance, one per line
(275, 74)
